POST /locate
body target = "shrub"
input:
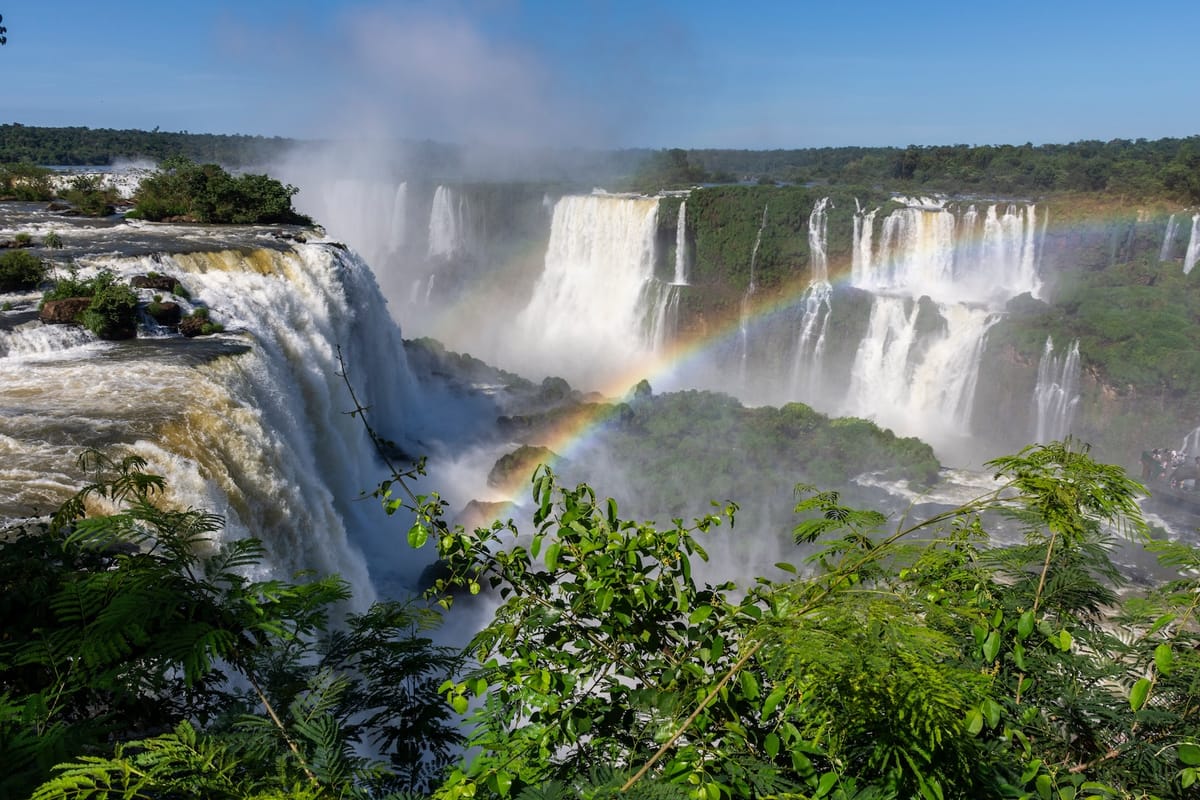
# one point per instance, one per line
(72, 286)
(20, 270)
(52, 240)
(90, 197)
(23, 239)
(207, 193)
(113, 312)
(25, 182)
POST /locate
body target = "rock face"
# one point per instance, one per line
(518, 466)
(62, 312)
(167, 313)
(159, 283)
(192, 326)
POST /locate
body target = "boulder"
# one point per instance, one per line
(159, 283)
(65, 311)
(167, 313)
(192, 326)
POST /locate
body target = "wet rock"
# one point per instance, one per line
(192, 326)
(65, 311)
(167, 313)
(158, 283)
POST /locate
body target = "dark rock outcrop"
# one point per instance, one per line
(65, 311)
(167, 313)
(192, 326)
(159, 283)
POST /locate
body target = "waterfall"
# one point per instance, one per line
(590, 316)
(751, 287)
(1193, 248)
(447, 224)
(1168, 239)
(918, 364)
(681, 247)
(864, 232)
(1056, 394)
(398, 228)
(1191, 444)
(251, 424)
(810, 346)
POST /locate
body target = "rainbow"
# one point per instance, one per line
(577, 431)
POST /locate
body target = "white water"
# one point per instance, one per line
(751, 287)
(817, 302)
(681, 247)
(590, 317)
(261, 437)
(919, 376)
(1193, 248)
(1168, 239)
(447, 224)
(1056, 395)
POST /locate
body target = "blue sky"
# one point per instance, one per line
(591, 73)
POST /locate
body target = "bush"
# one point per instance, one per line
(113, 312)
(25, 182)
(23, 239)
(52, 240)
(184, 190)
(90, 197)
(72, 286)
(20, 270)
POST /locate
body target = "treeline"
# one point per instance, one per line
(95, 147)
(1162, 168)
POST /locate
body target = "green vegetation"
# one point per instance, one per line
(690, 444)
(184, 191)
(20, 270)
(112, 314)
(22, 239)
(52, 240)
(907, 659)
(138, 654)
(90, 196)
(102, 146)
(24, 181)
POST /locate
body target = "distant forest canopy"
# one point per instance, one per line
(98, 147)
(1166, 169)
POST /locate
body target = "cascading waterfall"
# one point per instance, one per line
(261, 436)
(917, 366)
(1193, 248)
(592, 311)
(1168, 239)
(751, 286)
(681, 247)
(1056, 395)
(447, 224)
(1191, 444)
(810, 346)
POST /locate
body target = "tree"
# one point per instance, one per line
(139, 658)
(3, 31)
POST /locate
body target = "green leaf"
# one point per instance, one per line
(1137, 696)
(749, 685)
(1064, 640)
(1025, 625)
(700, 614)
(974, 722)
(991, 710)
(459, 703)
(418, 534)
(1164, 659)
(771, 744)
(1189, 754)
(991, 646)
(1044, 785)
(1187, 777)
(552, 556)
(773, 700)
